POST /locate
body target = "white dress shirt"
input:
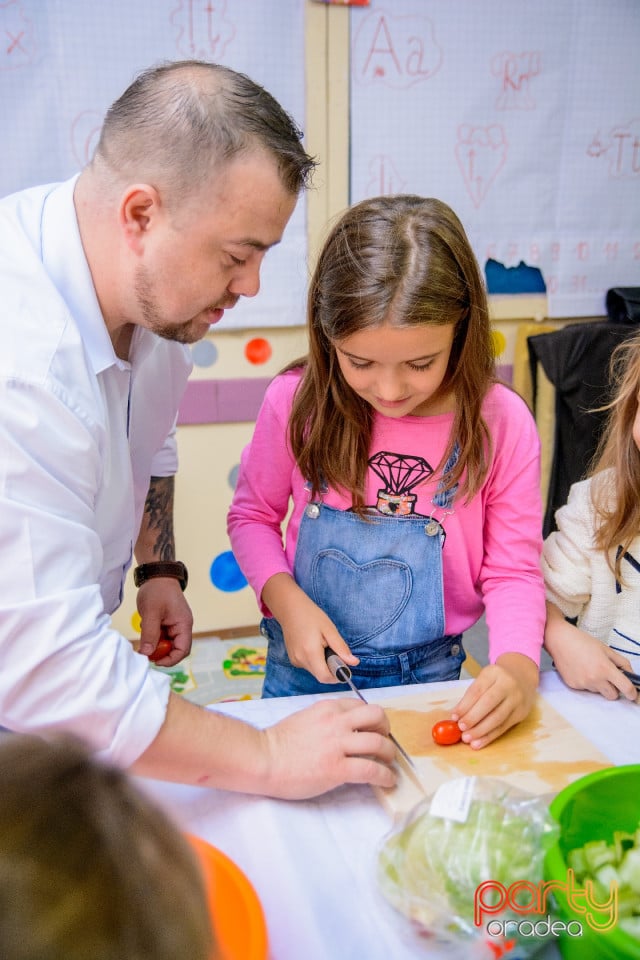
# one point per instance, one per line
(81, 433)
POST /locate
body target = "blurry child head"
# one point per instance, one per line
(90, 869)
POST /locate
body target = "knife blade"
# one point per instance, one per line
(342, 672)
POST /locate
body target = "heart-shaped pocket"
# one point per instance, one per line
(363, 600)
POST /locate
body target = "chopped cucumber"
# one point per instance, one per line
(617, 862)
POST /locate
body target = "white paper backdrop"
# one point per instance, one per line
(523, 115)
(63, 62)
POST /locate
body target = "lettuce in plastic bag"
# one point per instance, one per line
(430, 866)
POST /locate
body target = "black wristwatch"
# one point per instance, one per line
(163, 568)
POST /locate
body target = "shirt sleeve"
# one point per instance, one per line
(566, 563)
(63, 666)
(511, 577)
(165, 462)
(263, 491)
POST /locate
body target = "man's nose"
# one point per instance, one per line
(246, 280)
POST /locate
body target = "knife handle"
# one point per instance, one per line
(634, 677)
(337, 665)
(343, 673)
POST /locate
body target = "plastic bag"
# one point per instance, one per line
(466, 867)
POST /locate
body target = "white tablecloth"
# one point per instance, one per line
(312, 862)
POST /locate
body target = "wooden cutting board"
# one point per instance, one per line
(541, 755)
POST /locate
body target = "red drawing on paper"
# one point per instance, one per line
(85, 132)
(515, 72)
(396, 51)
(203, 29)
(596, 148)
(384, 179)
(621, 146)
(17, 44)
(481, 153)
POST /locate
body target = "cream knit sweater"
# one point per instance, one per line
(579, 581)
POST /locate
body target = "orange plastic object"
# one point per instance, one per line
(238, 918)
(257, 350)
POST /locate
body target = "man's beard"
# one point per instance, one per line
(153, 319)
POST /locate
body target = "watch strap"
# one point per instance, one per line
(161, 568)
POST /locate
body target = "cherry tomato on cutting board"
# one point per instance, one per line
(162, 650)
(446, 732)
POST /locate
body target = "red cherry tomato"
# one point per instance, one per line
(446, 732)
(162, 650)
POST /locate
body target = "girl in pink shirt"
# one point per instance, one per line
(407, 475)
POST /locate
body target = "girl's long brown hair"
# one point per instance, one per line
(616, 494)
(406, 261)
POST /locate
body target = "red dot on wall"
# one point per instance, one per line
(257, 350)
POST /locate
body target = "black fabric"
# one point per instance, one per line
(623, 304)
(576, 360)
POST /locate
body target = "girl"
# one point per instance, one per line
(413, 478)
(591, 563)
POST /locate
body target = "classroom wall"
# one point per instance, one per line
(232, 368)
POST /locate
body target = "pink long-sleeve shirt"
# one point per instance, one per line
(491, 555)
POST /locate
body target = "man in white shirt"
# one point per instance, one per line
(103, 280)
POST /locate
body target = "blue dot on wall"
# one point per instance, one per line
(226, 574)
(232, 478)
(204, 353)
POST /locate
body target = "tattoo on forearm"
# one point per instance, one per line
(159, 516)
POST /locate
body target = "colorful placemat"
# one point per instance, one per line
(219, 670)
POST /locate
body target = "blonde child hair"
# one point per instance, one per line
(615, 493)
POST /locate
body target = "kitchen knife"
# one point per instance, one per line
(342, 672)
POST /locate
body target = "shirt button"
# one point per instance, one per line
(313, 511)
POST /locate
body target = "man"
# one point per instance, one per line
(103, 279)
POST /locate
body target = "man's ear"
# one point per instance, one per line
(139, 209)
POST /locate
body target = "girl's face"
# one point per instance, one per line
(399, 370)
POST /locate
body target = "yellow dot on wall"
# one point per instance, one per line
(499, 342)
(136, 622)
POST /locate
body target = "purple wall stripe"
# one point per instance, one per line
(222, 401)
(505, 372)
(238, 400)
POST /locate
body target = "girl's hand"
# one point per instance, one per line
(583, 661)
(501, 696)
(307, 629)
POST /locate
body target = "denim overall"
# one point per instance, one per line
(379, 579)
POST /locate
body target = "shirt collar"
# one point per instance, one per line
(65, 262)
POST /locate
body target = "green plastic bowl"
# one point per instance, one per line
(593, 808)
